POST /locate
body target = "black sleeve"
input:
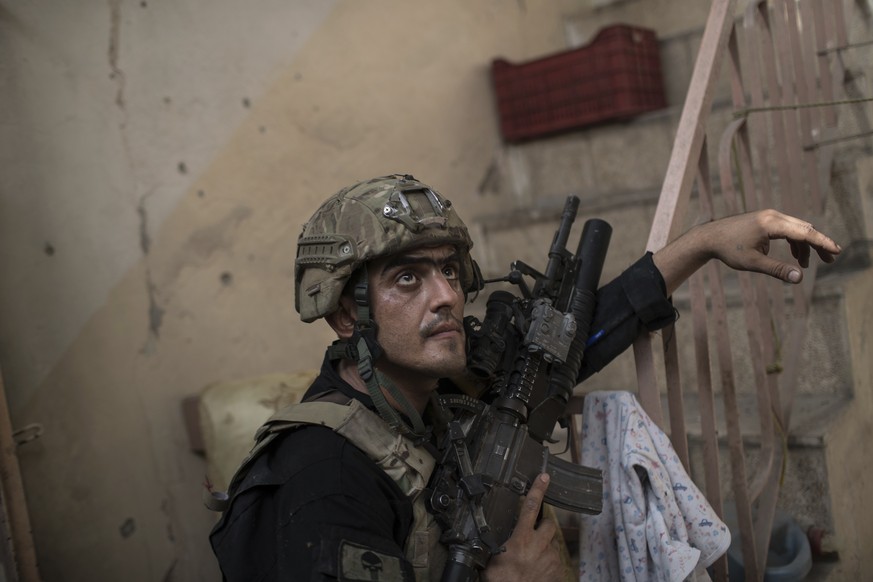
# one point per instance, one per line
(634, 301)
(314, 507)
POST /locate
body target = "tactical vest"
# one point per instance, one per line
(409, 466)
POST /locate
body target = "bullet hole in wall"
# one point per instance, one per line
(127, 528)
(167, 100)
(144, 4)
(49, 249)
(183, 169)
(201, 193)
(226, 278)
(262, 129)
(246, 102)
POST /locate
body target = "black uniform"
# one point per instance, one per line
(312, 495)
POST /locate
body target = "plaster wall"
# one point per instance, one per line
(111, 110)
(159, 160)
(849, 476)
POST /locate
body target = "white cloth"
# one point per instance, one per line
(655, 524)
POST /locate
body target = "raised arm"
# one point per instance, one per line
(742, 242)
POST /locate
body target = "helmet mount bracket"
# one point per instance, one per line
(398, 208)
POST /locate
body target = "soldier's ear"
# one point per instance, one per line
(342, 321)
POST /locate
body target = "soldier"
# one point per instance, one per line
(333, 488)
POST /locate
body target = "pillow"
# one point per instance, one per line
(231, 412)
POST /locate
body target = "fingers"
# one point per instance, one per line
(530, 552)
(801, 235)
(778, 269)
(800, 252)
(533, 501)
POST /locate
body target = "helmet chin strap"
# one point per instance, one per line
(365, 350)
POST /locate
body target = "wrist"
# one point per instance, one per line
(699, 242)
(682, 257)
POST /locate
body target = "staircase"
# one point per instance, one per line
(617, 170)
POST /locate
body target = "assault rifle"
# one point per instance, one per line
(527, 352)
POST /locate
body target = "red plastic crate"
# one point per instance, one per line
(616, 76)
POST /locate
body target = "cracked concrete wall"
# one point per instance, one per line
(110, 111)
(158, 162)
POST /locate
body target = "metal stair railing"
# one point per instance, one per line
(786, 87)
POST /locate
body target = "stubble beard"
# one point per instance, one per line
(455, 360)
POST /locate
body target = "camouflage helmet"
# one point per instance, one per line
(365, 221)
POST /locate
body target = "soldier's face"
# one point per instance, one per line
(418, 304)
